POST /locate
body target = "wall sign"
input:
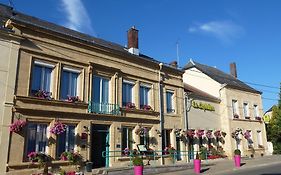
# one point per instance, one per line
(203, 106)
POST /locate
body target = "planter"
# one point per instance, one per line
(89, 166)
(237, 160)
(197, 166)
(138, 170)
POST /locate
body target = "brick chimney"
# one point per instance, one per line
(233, 70)
(133, 41)
(174, 64)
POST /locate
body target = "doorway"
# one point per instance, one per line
(100, 144)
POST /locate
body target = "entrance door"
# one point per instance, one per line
(178, 148)
(100, 143)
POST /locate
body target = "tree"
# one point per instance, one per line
(274, 126)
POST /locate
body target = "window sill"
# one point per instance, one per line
(139, 111)
(35, 164)
(248, 120)
(46, 101)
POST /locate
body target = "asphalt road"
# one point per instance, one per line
(264, 170)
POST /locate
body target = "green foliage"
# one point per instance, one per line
(237, 152)
(137, 161)
(203, 153)
(274, 127)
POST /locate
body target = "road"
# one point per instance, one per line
(263, 170)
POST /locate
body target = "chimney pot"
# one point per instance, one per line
(233, 70)
(174, 64)
(133, 40)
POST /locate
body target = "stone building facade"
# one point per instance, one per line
(240, 108)
(106, 97)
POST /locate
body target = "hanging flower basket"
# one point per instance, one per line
(200, 133)
(235, 134)
(58, 128)
(217, 134)
(247, 135)
(17, 126)
(142, 131)
(209, 134)
(190, 133)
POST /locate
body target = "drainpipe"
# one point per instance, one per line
(160, 93)
(187, 107)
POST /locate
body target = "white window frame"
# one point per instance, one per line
(37, 141)
(234, 105)
(133, 89)
(79, 79)
(48, 65)
(259, 138)
(149, 92)
(246, 109)
(173, 101)
(256, 110)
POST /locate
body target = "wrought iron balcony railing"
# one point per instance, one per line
(103, 108)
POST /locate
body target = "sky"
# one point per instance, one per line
(212, 32)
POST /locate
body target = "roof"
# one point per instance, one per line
(200, 94)
(221, 77)
(7, 12)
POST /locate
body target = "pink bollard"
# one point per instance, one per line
(237, 160)
(197, 166)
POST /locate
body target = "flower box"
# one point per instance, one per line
(236, 116)
(72, 99)
(130, 105)
(42, 94)
(247, 117)
(146, 107)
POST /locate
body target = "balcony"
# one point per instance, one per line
(103, 108)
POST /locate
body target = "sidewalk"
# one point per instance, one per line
(225, 166)
(211, 167)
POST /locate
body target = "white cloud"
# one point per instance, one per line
(226, 31)
(77, 16)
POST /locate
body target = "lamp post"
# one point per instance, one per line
(160, 93)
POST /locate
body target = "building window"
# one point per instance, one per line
(69, 83)
(41, 77)
(256, 111)
(66, 140)
(100, 90)
(167, 138)
(246, 110)
(127, 92)
(169, 101)
(259, 139)
(127, 138)
(235, 109)
(144, 96)
(144, 138)
(36, 138)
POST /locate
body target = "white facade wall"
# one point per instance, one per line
(199, 80)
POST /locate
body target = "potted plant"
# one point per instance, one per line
(237, 158)
(197, 164)
(138, 165)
